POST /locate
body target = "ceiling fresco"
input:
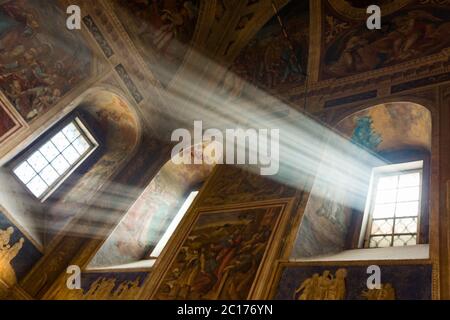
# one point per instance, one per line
(161, 30)
(268, 61)
(40, 60)
(413, 32)
(389, 126)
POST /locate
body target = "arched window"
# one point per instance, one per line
(380, 199)
(50, 161)
(141, 236)
(394, 205)
(56, 175)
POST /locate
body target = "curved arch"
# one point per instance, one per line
(389, 126)
(401, 124)
(148, 218)
(118, 128)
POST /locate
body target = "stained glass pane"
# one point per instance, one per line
(394, 217)
(405, 240)
(405, 225)
(380, 241)
(382, 226)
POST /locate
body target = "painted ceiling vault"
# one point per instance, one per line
(134, 64)
(153, 42)
(390, 126)
(30, 35)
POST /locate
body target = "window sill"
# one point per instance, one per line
(420, 251)
(132, 266)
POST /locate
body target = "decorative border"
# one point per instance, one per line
(123, 74)
(431, 80)
(98, 36)
(350, 99)
(16, 119)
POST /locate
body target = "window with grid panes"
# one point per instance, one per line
(51, 162)
(395, 209)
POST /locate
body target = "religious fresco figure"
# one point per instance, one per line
(324, 287)
(406, 35)
(7, 254)
(37, 63)
(160, 29)
(221, 260)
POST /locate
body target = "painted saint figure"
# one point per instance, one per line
(7, 254)
(324, 287)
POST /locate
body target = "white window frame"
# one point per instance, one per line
(89, 137)
(377, 173)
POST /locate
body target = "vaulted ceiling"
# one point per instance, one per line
(177, 59)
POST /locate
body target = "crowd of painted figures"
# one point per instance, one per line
(35, 68)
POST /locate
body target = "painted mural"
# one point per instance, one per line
(236, 184)
(17, 253)
(325, 222)
(364, 134)
(105, 286)
(112, 120)
(149, 217)
(389, 126)
(220, 256)
(413, 32)
(7, 123)
(268, 61)
(349, 282)
(40, 60)
(163, 28)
